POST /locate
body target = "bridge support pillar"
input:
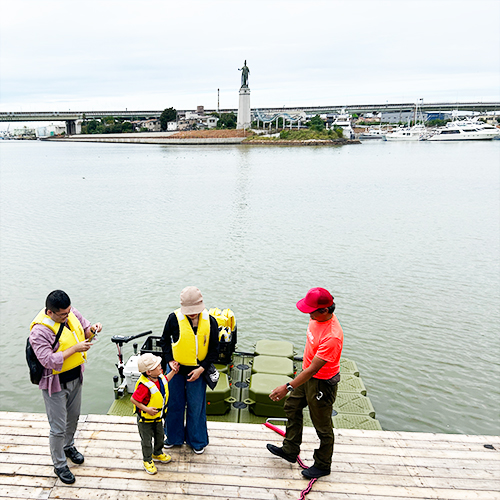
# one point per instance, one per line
(73, 127)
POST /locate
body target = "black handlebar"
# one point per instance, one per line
(122, 339)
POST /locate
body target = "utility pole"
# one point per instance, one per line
(218, 108)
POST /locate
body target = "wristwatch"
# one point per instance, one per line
(289, 387)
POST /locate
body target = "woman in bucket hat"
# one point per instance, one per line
(190, 344)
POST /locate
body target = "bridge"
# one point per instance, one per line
(73, 117)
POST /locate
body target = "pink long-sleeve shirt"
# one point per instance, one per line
(42, 338)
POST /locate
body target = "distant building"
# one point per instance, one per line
(136, 124)
(187, 123)
(197, 120)
(25, 132)
(401, 116)
(153, 125)
(50, 130)
(172, 126)
(438, 115)
(194, 120)
(210, 121)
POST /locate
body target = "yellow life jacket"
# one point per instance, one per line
(191, 348)
(158, 400)
(71, 335)
(225, 318)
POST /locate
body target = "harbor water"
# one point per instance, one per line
(405, 235)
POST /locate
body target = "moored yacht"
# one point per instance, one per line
(343, 121)
(373, 133)
(415, 133)
(465, 131)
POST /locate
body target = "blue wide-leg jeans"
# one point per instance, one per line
(189, 396)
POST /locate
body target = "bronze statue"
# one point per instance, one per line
(244, 75)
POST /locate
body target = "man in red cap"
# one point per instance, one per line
(315, 386)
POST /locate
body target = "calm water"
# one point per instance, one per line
(406, 236)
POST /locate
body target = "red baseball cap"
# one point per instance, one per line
(316, 298)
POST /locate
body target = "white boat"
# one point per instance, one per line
(415, 133)
(465, 131)
(343, 121)
(373, 133)
(485, 128)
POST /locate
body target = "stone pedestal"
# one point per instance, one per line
(244, 116)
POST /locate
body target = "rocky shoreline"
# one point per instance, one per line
(197, 138)
(308, 142)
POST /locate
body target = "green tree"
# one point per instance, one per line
(168, 115)
(437, 122)
(339, 131)
(316, 123)
(94, 127)
(227, 120)
(127, 127)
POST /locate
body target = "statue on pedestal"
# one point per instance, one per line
(244, 75)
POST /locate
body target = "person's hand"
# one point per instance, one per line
(97, 327)
(151, 411)
(174, 366)
(83, 346)
(195, 374)
(278, 393)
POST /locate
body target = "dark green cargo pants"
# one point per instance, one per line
(319, 395)
(152, 438)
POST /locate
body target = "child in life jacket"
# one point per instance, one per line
(150, 399)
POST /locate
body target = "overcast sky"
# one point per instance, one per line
(149, 55)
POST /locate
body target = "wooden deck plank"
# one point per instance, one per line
(131, 479)
(222, 454)
(253, 431)
(25, 454)
(367, 465)
(93, 486)
(28, 453)
(200, 470)
(254, 428)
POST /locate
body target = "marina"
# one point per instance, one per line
(367, 465)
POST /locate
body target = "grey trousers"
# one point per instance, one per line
(63, 410)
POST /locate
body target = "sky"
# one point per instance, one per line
(105, 55)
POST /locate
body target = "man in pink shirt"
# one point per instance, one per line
(315, 386)
(60, 337)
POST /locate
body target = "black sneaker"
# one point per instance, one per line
(314, 472)
(74, 455)
(65, 475)
(275, 450)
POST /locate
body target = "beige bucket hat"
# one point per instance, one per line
(191, 301)
(147, 362)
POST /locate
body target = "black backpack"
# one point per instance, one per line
(35, 367)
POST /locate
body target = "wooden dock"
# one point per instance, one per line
(366, 464)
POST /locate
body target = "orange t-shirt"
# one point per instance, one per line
(324, 340)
